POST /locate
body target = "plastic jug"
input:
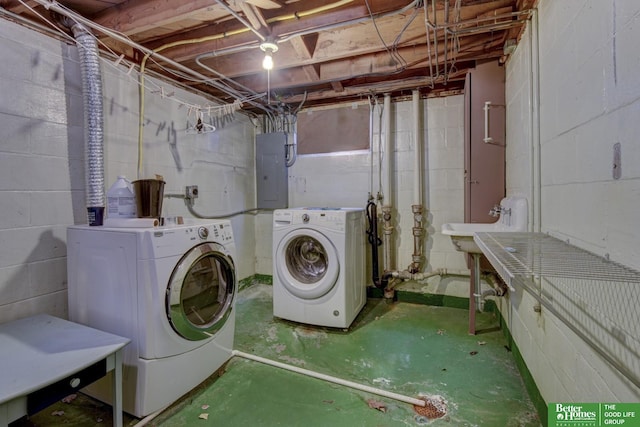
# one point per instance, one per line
(121, 200)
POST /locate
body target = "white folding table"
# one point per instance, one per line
(44, 358)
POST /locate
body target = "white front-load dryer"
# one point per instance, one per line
(170, 290)
(319, 265)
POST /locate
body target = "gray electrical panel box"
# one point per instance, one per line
(271, 171)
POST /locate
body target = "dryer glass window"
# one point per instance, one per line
(200, 292)
(204, 291)
(307, 259)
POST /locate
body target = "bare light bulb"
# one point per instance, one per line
(267, 62)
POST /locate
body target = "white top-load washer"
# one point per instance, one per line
(170, 290)
(319, 265)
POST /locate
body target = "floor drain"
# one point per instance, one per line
(435, 407)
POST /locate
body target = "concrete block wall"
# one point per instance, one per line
(589, 101)
(40, 169)
(347, 179)
(42, 163)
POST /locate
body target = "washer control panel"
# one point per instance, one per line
(203, 233)
(221, 232)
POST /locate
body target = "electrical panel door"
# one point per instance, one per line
(271, 171)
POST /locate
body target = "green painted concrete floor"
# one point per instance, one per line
(410, 349)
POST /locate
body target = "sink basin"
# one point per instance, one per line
(513, 217)
(462, 234)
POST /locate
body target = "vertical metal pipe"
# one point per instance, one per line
(536, 109)
(417, 208)
(387, 152)
(417, 149)
(387, 207)
(534, 123)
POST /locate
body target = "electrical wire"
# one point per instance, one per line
(375, 25)
(427, 32)
(228, 215)
(122, 61)
(396, 42)
(455, 50)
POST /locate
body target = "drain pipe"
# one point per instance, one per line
(329, 378)
(93, 127)
(387, 206)
(417, 258)
(413, 270)
(497, 289)
(407, 275)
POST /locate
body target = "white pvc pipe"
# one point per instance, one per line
(535, 207)
(388, 154)
(536, 109)
(532, 146)
(146, 420)
(371, 150)
(335, 380)
(417, 155)
(387, 201)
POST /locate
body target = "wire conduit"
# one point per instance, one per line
(331, 379)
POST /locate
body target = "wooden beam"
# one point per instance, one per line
(377, 87)
(16, 7)
(312, 72)
(337, 87)
(285, 75)
(265, 4)
(340, 43)
(137, 16)
(252, 14)
(305, 45)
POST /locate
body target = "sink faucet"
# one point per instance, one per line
(498, 210)
(495, 210)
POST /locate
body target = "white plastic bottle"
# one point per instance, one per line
(121, 200)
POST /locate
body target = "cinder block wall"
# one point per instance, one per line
(589, 100)
(345, 180)
(42, 163)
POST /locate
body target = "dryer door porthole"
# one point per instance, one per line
(201, 291)
(307, 264)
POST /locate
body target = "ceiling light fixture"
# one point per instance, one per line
(268, 48)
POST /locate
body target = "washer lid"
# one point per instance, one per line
(307, 263)
(201, 291)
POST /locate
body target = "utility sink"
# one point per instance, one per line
(513, 217)
(462, 235)
(512, 213)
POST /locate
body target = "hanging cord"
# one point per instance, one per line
(374, 240)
